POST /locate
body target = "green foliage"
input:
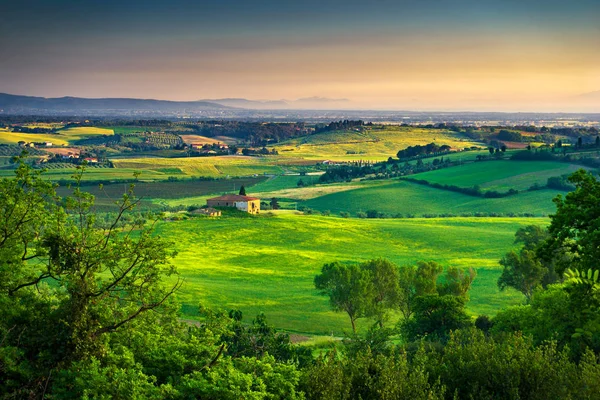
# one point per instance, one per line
(575, 227)
(369, 376)
(457, 282)
(350, 289)
(568, 313)
(523, 270)
(436, 316)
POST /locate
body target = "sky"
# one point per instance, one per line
(505, 55)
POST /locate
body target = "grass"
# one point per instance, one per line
(499, 175)
(411, 198)
(372, 144)
(267, 264)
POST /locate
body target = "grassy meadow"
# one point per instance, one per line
(403, 197)
(268, 263)
(499, 175)
(220, 166)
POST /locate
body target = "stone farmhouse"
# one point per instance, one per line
(244, 203)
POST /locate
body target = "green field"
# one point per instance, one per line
(96, 174)
(221, 166)
(411, 198)
(267, 263)
(499, 175)
(371, 144)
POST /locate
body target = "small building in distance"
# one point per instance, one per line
(244, 203)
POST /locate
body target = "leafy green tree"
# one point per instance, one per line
(426, 277)
(242, 191)
(457, 282)
(349, 287)
(574, 231)
(385, 279)
(522, 271)
(436, 316)
(407, 290)
(66, 283)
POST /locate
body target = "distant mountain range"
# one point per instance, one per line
(29, 105)
(14, 104)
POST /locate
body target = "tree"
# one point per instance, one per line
(385, 279)
(574, 231)
(274, 204)
(66, 285)
(491, 150)
(349, 287)
(436, 316)
(524, 270)
(597, 141)
(300, 183)
(426, 277)
(242, 191)
(407, 289)
(457, 282)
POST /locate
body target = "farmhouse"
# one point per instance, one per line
(244, 203)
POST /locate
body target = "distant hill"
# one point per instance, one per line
(307, 103)
(14, 104)
(251, 104)
(594, 96)
(587, 102)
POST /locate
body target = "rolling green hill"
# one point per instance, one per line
(267, 264)
(411, 198)
(499, 175)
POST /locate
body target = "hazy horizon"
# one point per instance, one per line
(394, 55)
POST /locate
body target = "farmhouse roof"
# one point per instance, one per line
(234, 197)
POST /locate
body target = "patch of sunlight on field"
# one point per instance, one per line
(63, 137)
(7, 137)
(311, 192)
(267, 263)
(371, 144)
(83, 131)
(219, 166)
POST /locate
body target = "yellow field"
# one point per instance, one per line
(372, 144)
(204, 166)
(63, 138)
(196, 139)
(81, 132)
